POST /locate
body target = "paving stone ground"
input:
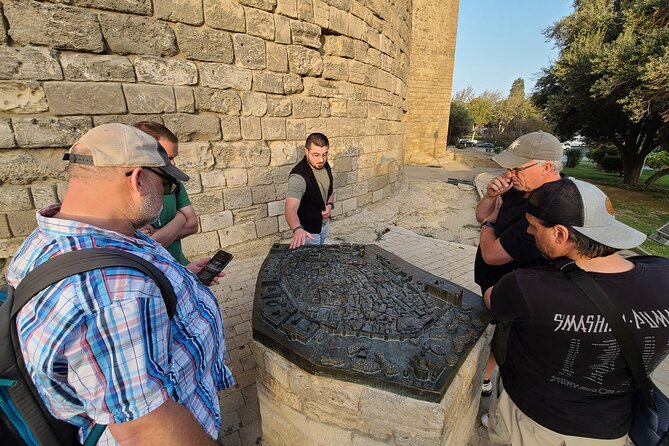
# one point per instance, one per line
(240, 410)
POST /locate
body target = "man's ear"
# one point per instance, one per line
(561, 234)
(137, 181)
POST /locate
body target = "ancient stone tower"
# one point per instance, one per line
(241, 83)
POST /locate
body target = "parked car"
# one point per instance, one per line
(486, 145)
(464, 143)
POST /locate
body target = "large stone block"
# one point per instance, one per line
(304, 61)
(149, 98)
(125, 119)
(284, 152)
(194, 185)
(260, 176)
(198, 244)
(267, 226)
(20, 97)
(184, 11)
(306, 107)
(55, 26)
(218, 75)
(29, 63)
(22, 223)
(335, 68)
(241, 154)
(7, 140)
(3, 41)
(295, 129)
(15, 198)
(250, 214)
(254, 104)
(277, 57)
(43, 195)
(358, 72)
(273, 128)
(188, 127)
(279, 106)
(215, 221)
(195, 155)
(267, 82)
(251, 127)
(237, 198)
(83, 98)
(292, 83)
(339, 20)
(142, 7)
(28, 166)
(185, 99)
(236, 177)
(232, 130)
(4, 227)
(212, 179)
(275, 208)
(306, 34)
(207, 203)
(158, 70)
(341, 46)
(287, 8)
(92, 67)
(282, 27)
(219, 101)
(237, 234)
(205, 44)
(263, 194)
(224, 14)
(260, 23)
(137, 35)
(321, 14)
(249, 51)
(267, 5)
(50, 132)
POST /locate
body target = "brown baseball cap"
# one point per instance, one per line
(120, 145)
(539, 146)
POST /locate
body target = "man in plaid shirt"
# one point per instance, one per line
(99, 345)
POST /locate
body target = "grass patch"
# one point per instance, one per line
(645, 209)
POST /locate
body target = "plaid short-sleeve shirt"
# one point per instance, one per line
(100, 346)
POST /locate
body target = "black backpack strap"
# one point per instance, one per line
(613, 317)
(75, 262)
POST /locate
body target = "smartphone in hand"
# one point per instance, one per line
(214, 266)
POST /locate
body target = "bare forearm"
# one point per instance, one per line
(169, 425)
(292, 219)
(492, 251)
(485, 207)
(170, 232)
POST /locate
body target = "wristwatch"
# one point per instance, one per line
(488, 224)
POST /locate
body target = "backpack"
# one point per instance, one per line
(25, 419)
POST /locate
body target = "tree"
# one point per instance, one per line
(460, 122)
(465, 95)
(604, 84)
(515, 106)
(481, 108)
(658, 161)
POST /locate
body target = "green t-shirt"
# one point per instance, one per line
(297, 186)
(171, 203)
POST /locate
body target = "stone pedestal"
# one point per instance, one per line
(301, 409)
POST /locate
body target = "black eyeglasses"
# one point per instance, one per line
(515, 170)
(170, 186)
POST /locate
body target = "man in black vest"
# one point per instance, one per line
(309, 198)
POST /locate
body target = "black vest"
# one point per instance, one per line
(312, 202)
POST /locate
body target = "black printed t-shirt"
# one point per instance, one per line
(564, 368)
(511, 230)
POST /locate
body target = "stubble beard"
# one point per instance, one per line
(148, 210)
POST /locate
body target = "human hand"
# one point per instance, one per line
(299, 237)
(196, 265)
(148, 230)
(328, 210)
(497, 186)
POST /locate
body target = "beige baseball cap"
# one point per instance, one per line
(539, 146)
(120, 145)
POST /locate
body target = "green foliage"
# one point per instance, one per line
(460, 122)
(610, 82)
(611, 164)
(658, 160)
(598, 154)
(574, 157)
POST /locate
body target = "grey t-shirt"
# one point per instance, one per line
(297, 186)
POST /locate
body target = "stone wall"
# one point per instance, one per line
(241, 83)
(435, 25)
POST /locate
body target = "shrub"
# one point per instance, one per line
(573, 157)
(658, 160)
(598, 154)
(612, 164)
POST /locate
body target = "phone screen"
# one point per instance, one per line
(214, 267)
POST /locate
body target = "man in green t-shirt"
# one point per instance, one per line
(177, 219)
(309, 198)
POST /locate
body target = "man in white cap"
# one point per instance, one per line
(99, 345)
(532, 160)
(565, 381)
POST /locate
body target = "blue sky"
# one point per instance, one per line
(499, 41)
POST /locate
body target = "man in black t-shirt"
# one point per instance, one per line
(531, 161)
(564, 380)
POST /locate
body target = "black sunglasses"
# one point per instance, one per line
(170, 186)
